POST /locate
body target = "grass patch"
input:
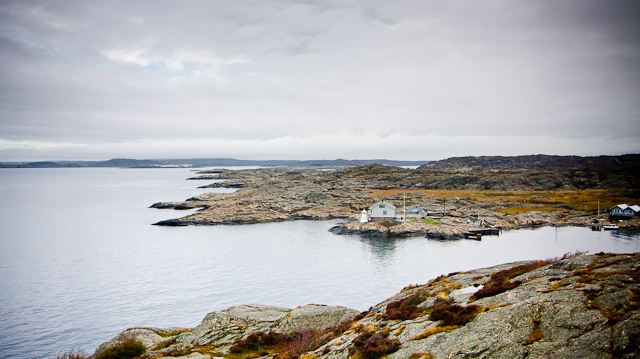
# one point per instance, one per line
(536, 333)
(73, 354)
(517, 210)
(423, 220)
(171, 333)
(164, 344)
(423, 355)
(126, 349)
(582, 200)
(431, 331)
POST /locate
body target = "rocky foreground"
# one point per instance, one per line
(582, 306)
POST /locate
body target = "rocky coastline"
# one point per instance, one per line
(284, 194)
(577, 306)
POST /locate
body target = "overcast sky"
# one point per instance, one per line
(284, 79)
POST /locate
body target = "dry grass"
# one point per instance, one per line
(583, 200)
(431, 331)
(424, 355)
(73, 354)
(535, 335)
(517, 210)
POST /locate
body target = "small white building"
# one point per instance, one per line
(622, 210)
(382, 211)
(364, 216)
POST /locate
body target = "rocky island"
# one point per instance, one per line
(577, 306)
(505, 192)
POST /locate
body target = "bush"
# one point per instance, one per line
(500, 282)
(373, 345)
(404, 309)
(453, 315)
(126, 349)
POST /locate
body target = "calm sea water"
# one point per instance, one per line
(80, 260)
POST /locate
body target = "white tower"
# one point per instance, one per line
(364, 217)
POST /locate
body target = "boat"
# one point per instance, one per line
(610, 227)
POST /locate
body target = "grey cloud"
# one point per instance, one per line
(107, 73)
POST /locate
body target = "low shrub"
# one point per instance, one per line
(257, 345)
(346, 325)
(373, 345)
(450, 314)
(404, 309)
(500, 282)
(126, 349)
(283, 346)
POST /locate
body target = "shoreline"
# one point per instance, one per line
(269, 195)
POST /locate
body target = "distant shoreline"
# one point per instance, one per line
(206, 162)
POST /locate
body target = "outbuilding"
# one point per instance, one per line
(417, 212)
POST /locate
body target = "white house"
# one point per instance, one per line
(622, 210)
(382, 211)
(416, 212)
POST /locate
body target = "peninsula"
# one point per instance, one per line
(504, 192)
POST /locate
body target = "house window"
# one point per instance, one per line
(382, 206)
(384, 213)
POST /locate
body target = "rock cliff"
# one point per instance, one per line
(577, 306)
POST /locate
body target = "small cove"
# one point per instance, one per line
(80, 260)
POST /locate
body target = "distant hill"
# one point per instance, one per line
(534, 162)
(209, 162)
(536, 172)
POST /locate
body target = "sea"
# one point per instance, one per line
(80, 260)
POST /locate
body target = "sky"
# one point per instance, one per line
(285, 79)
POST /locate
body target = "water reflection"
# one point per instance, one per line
(382, 248)
(630, 233)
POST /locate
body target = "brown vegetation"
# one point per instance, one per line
(404, 309)
(550, 200)
(450, 314)
(373, 345)
(500, 282)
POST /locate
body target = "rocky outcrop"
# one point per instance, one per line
(446, 228)
(220, 331)
(577, 306)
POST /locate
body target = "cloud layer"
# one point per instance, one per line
(318, 79)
